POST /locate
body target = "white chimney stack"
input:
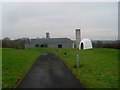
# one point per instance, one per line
(47, 35)
(78, 37)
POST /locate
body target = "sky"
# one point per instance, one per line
(97, 20)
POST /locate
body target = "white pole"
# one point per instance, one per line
(77, 61)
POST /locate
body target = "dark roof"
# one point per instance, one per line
(51, 40)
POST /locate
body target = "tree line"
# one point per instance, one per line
(17, 43)
(20, 43)
(113, 44)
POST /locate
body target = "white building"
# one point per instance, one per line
(85, 44)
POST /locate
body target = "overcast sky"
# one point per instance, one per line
(33, 19)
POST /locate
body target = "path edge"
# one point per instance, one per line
(26, 72)
(83, 86)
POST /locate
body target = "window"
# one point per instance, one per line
(59, 45)
(36, 45)
(44, 45)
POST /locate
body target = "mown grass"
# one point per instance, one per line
(99, 67)
(0, 68)
(15, 63)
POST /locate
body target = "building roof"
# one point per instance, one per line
(50, 40)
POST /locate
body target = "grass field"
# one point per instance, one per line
(15, 63)
(99, 67)
(0, 68)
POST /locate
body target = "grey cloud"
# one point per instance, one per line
(60, 19)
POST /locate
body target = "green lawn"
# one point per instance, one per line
(99, 67)
(15, 63)
(0, 68)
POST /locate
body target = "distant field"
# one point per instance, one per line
(99, 67)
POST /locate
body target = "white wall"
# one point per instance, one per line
(87, 44)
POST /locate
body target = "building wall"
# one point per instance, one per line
(51, 45)
(29, 45)
(64, 45)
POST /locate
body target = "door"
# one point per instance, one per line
(82, 45)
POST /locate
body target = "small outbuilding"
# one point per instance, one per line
(85, 44)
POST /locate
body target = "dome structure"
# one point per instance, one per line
(85, 44)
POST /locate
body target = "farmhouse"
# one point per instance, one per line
(50, 43)
(56, 42)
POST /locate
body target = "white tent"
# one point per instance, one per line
(85, 44)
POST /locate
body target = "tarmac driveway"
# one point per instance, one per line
(49, 71)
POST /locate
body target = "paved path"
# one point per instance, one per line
(49, 72)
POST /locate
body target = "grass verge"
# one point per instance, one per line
(15, 63)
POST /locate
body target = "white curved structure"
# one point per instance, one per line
(85, 44)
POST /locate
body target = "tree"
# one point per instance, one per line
(7, 43)
(98, 44)
(19, 44)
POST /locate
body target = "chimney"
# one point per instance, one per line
(47, 35)
(78, 37)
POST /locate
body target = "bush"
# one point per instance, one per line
(18, 43)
